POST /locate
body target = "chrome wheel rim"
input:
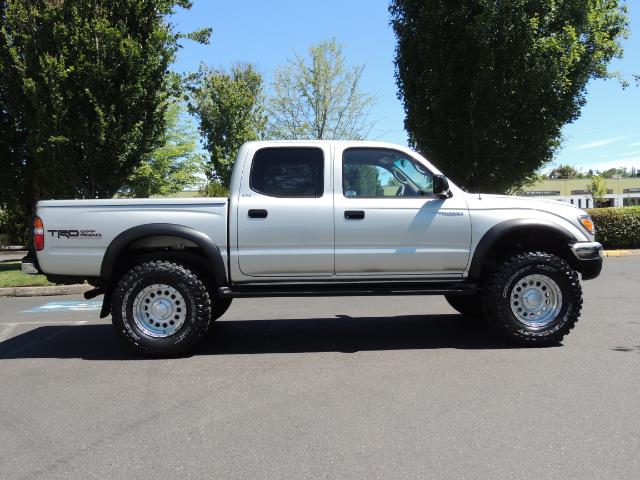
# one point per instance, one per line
(536, 300)
(159, 310)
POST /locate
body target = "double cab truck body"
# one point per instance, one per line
(310, 218)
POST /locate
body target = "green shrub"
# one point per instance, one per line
(617, 227)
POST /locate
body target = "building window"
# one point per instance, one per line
(587, 203)
(579, 203)
(540, 193)
(586, 192)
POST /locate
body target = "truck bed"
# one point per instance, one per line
(78, 232)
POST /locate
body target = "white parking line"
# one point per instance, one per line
(66, 306)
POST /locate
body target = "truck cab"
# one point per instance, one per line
(343, 210)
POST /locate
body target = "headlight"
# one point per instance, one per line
(587, 223)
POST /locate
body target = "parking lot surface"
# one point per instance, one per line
(362, 387)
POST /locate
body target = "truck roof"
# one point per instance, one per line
(341, 143)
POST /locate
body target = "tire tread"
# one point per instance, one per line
(195, 286)
(497, 314)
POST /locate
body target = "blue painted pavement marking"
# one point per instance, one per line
(67, 306)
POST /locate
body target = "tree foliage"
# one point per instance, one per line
(82, 89)
(174, 164)
(621, 172)
(564, 172)
(214, 189)
(319, 97)
(487, 86)
(230, 108)
(528, 181)
(597, 190)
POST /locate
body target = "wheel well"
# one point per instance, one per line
(164, 247)
(161, 247)
(526, 239)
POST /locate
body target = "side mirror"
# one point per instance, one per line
(441, 187)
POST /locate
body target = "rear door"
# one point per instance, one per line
(285, 213)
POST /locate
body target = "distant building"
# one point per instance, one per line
(620, 191)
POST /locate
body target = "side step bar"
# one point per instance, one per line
(347, 289)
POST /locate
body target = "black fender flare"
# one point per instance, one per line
(121, 242)
(126, 238)
(495, 233)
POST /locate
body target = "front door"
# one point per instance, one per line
(285, 213)
(388, 221)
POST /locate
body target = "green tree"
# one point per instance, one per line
(597, 190)
(214, 189)
(487, 86)
(616, 172)
(15, 183)
(564, 172)
(319, 97)
(174, 164)
(230, 108)
(528, 181)
(82, 89)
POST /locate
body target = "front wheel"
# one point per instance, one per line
(161, 308)
(532, 298)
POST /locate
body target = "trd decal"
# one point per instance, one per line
(85, 234)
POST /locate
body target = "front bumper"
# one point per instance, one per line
(588, 258)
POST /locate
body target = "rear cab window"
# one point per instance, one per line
(288, 172)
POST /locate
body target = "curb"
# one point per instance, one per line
(622, 253)
(44, 291)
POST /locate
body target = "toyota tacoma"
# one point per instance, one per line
(321, 218)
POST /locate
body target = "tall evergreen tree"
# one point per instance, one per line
(487, 86)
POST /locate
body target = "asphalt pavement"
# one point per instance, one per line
(361, 387)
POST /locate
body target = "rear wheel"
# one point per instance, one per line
(161, 308)
(533, 298)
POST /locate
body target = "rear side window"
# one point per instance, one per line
(288, 172)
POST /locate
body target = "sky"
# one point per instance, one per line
(266, 34)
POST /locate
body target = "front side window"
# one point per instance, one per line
(288, 172)
(380, 173)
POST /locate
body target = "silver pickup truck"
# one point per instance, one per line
(321, 218)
